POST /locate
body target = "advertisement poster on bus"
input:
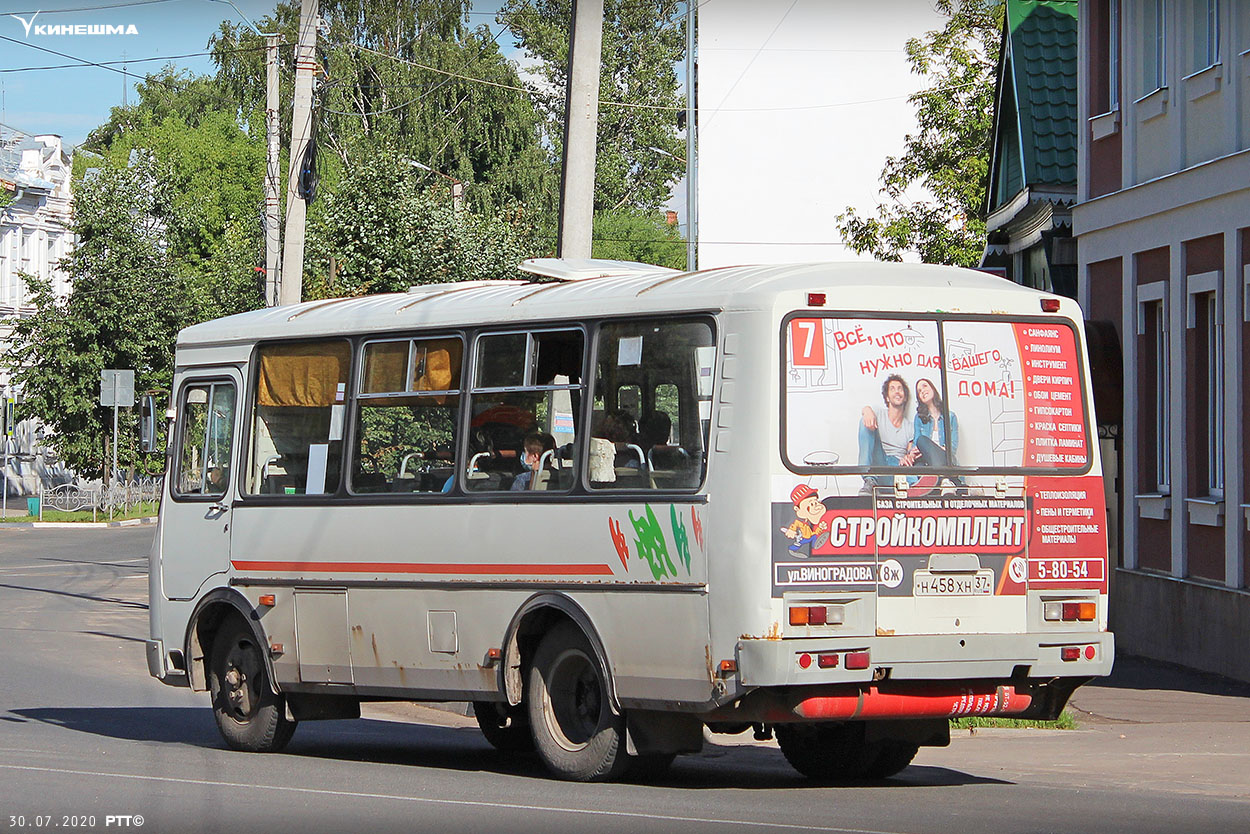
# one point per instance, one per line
(934, 457)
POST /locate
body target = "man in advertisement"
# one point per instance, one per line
(886, 435)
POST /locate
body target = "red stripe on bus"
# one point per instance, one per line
(424, 567)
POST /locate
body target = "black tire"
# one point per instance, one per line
(250, 716)
(835, 751)
(892, 756)
(575, 731)
(506, 728)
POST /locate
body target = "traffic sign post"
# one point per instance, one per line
(117, 388)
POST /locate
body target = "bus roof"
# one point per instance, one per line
(850, 286)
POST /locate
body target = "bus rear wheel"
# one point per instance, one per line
(840, 751)
(248, 713)
(576, 733)
(506, 728)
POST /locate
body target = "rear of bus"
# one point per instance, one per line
(938, 527)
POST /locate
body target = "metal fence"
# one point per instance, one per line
(101, 499)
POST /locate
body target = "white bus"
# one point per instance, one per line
(838, 503)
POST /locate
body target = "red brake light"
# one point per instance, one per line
(1070, 653)
(1050, 305)
(856, 660)
(815, 299)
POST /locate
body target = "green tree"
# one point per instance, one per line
(640, 152)
(637, 235)
(949, 155)
(387, 230)
(125, 305)
(407, 79)
(212, 168)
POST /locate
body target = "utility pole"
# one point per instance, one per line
(273, 173)
(291, 287)
(692, 166)
(581, 128)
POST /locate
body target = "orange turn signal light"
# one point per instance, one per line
(267, 599)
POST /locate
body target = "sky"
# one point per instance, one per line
(801, 101)
(71, 102)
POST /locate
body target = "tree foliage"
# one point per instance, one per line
(401, 79)
(123, 311)
(948, 157)
(640, 152)
(637, 235)
(387, 230)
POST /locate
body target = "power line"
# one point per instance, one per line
(107, 64)
(94, 8)
(146, 78)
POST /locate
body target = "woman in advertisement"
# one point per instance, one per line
(936, 431)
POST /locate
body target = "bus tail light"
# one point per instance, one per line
(856, 660)
(1070, 653)
(1050, 305)
(1082, 611)
(1070, 611)
(816, 615)
(815, 299)
(827, 661)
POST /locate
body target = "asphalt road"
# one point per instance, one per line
(89, 741)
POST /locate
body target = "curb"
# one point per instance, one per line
(77, 525)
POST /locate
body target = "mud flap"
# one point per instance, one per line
(648, 732)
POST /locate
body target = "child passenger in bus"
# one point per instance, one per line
(533, 448)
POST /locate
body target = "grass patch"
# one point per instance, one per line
(144, 510)
(969, 722)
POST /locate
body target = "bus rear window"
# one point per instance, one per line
(981, 394)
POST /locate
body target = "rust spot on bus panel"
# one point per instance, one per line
(773, 633)
(885, 632)
(707, 655)
(373, 640)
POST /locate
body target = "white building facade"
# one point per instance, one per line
(35, 175)
(1163, 236)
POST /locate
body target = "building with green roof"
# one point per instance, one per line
(1033, 166)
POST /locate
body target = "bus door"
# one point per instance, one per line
(196, 515)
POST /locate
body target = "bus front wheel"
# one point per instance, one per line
(250, 716)
(575, 731)
(841, 751)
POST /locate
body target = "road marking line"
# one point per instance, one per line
(457, 802)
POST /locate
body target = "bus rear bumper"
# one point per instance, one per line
(936, 657)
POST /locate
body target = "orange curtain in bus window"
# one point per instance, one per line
(807, 343)
(436, 365)
(305, 375)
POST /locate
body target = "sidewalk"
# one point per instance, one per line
(1149, 725)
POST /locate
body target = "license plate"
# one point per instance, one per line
(926, 584)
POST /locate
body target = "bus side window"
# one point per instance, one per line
(663, 447)
(527, 388)
(406, 415)
(407, 411)
(206, 440)
(298, 417)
